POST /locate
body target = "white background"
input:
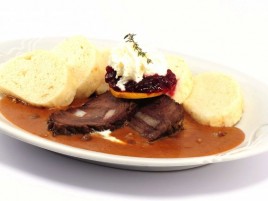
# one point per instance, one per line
(233, 33)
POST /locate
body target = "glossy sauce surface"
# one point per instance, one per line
(194, 140)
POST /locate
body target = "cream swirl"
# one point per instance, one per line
(129, 66)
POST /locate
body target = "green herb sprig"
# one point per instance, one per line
(130, 38)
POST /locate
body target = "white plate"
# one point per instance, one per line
(253, 123)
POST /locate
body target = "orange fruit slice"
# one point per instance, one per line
(133, 95)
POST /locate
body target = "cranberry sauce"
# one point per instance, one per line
(149, 84)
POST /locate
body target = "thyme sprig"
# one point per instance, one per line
(130, 38)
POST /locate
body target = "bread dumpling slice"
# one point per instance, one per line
(103, 59)
(184, 76)
(216, 100)
(82, 58)
(39, 78)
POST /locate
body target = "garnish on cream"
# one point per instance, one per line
(131, 69)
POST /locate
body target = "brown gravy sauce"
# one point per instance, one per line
(194, 140)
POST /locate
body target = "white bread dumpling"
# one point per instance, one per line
(39, 78)
(216, 100)
(103, 60)
(184, 76)
(81, 57)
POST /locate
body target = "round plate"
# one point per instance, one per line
(253, 123)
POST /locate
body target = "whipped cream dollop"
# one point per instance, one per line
(126, 62)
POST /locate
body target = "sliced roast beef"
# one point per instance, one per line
(157, 117)
(98, 113)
